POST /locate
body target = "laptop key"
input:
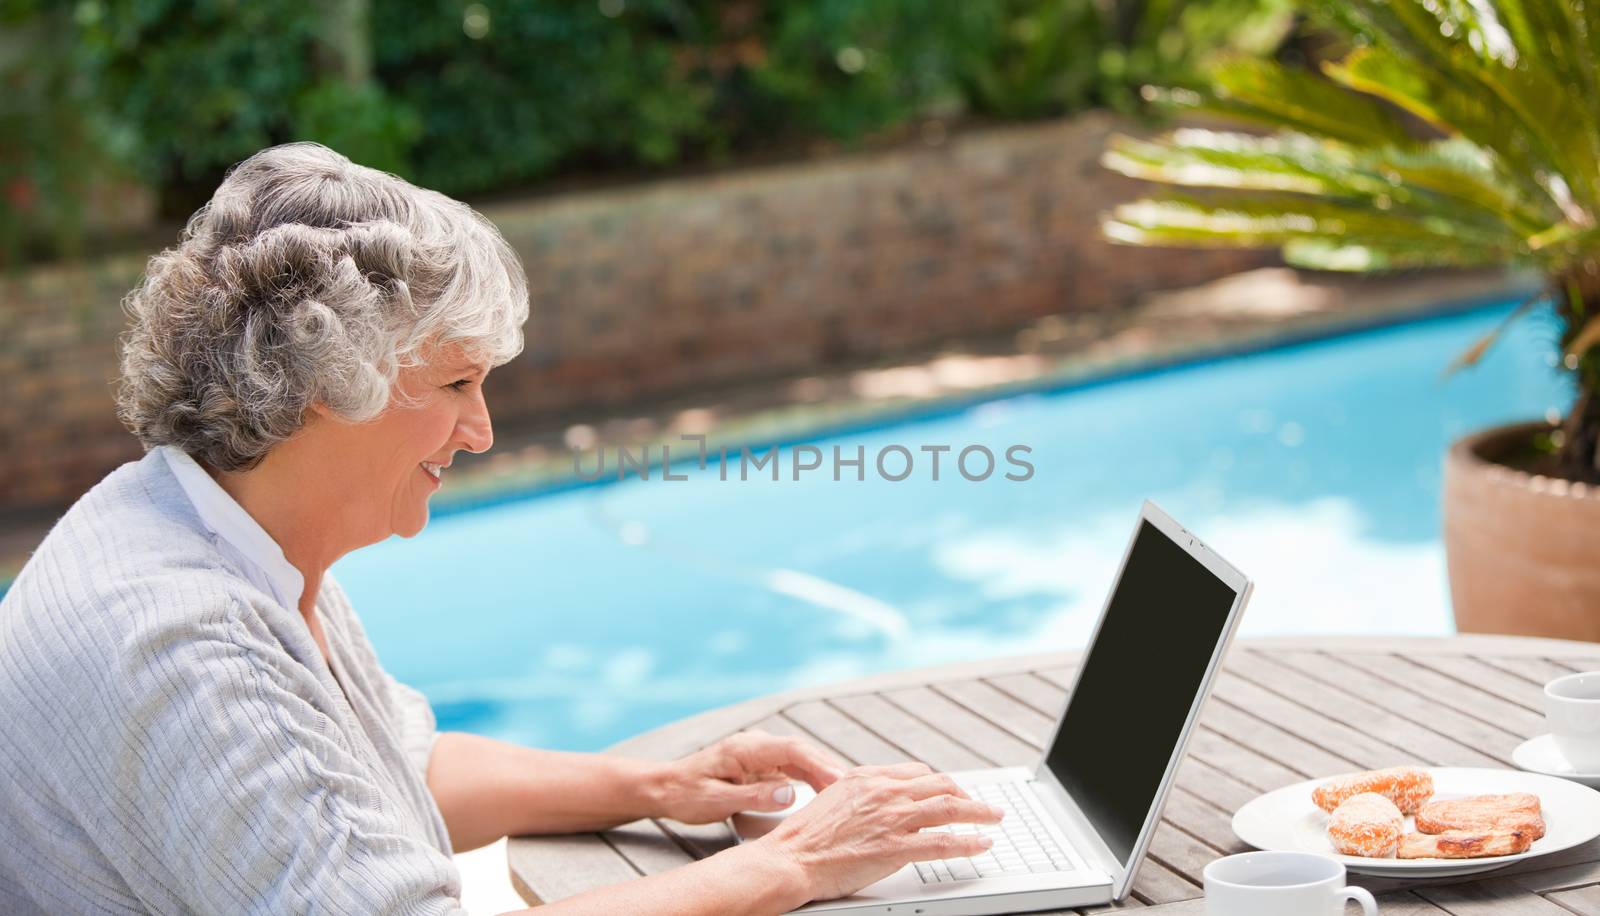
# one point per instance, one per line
(1022, 843)
(962, 869)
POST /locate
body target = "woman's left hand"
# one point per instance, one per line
(749, 771)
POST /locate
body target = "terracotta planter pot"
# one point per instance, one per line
(1523, 549)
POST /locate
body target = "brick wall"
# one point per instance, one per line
(647, 290)
(58, 362)
(714, 279)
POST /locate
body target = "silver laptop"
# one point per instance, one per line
(1077, 825)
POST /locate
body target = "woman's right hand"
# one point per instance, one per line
(866, 826)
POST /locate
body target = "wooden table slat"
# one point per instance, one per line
(860, 746)
(1424, 744)
(1350, 742)
(1420, 710)
(1273, 741)
(1061, 676)
(1536, 671)
(1406, 903)
(1192, 813)
(1159, 881)
(1039, 694)
(1560, 878)
(1578, 900)
(1490, 897)
(1003, 710)
(553, 868)
(700, 840)
(1214, 786)
(1578, 855)
(1468, 699)
(1244, 764)
(1282, 711)
(1484, 676)
(780, 724)
(910, 734)
(990, 742)
(647, 847)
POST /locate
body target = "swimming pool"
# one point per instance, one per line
(577, 618)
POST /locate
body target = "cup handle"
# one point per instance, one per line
(1369, 906)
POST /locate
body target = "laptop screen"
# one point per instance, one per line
(1139, 680)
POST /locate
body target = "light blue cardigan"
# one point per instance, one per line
(171, 739)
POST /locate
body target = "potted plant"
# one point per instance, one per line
(1449, 134)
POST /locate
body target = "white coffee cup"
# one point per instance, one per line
(1572, 707)
(1280, 883)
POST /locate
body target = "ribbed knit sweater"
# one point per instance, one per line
(172, 740)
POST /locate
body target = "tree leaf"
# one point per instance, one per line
(1473, 354)
(1265, 92)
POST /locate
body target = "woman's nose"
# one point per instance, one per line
(476, 432)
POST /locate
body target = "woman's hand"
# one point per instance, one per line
(749, 771)
(866, 826)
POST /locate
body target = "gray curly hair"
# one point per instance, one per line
(307, 279)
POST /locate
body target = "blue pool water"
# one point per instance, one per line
(575, 619)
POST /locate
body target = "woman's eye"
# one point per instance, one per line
(457, 386)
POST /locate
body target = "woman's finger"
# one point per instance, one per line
(798, 758)
(931, 785)
(920, 847)
(774, 795)
(947, 809)
(907, 770)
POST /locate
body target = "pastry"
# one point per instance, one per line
(1407, 787)
(1518, 812)
(1463, 844)
(1367, 825)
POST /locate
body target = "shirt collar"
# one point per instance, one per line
(221, 513)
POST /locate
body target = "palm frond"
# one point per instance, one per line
(1262, 92)
(1514, 88)
(1468, 58)
(1448, 107)
(1462, 170)
(1558, 28)
(1472, 355)
(1437, 180)
(1279, 219)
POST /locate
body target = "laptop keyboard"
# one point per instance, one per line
(1022, 844)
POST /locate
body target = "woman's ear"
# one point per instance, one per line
(318, 411)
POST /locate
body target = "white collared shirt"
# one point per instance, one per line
(237, 531)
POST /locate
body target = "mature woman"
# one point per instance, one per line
(194, 720)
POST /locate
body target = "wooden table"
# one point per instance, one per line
(1282, 711)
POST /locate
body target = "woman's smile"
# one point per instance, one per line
(433, 470)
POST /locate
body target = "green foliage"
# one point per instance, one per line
(360, 121)
(205, 82)
(471, 96)
(510, 90)
(1167, 42)
(1034, 58)
(1027, 58)
(1501, 164)
(846, 69)
(201, 84)
(47, 155)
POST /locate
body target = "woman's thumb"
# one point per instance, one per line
(770, 796)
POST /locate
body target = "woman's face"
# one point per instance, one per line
(395, 461)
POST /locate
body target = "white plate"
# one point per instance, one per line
(1540, 755)
(1287, 820)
